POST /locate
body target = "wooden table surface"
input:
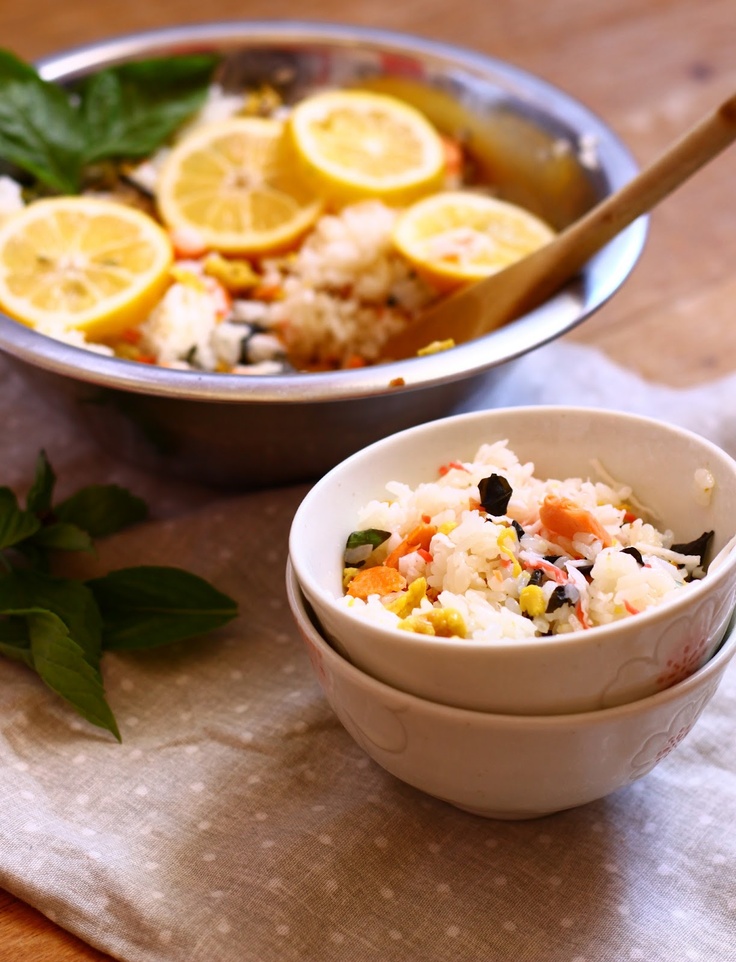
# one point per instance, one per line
(649, 68)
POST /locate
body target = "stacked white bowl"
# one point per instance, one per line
(516, 729)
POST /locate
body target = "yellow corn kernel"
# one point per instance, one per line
(261, 103)
(130, 352)
(505, 540)
(532, 601)
(235, 275)
(347, 576)
(410, 599)
(435, 347)
(442, 622)
(447, 527)
(184, 276)
(447, 622)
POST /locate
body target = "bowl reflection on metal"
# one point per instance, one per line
(533, 140)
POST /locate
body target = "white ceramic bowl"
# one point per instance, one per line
(581, 671)
(506, 766)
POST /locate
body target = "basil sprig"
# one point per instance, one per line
(56, 134)
(60, 627)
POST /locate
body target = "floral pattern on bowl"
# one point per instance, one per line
(659, 745)
(700, 644)
(682, 647)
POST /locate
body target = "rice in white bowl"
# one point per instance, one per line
(483, 574)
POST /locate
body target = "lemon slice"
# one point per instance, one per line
(360, 145)
(237, 183)
(81, 262)
(456, 237)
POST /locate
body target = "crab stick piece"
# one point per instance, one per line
(379, 580)
(563, 517)
(419, 537)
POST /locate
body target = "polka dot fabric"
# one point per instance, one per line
(238, 822)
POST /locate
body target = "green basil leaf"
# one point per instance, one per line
(63, 536)
(62, 665)
(361, 545)
(40, 132)
(13, 68)
(69, 599)
(42, 489)
(130, 110)
(36, 556)
(149, 606)
(15, 525)
(369, 536)
(15, 640)
(102, 509)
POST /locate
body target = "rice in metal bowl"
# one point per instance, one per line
(238, 431)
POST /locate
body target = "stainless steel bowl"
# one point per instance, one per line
(250, 432)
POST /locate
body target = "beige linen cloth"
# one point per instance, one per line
(238, 822)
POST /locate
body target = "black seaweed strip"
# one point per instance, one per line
(634, 552)
(699, 546)
(495, 494)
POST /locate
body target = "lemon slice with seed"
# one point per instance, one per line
(238, 185)
(82, 263)
(457, 237)
(358, 145)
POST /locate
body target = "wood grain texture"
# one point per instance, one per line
(649, 68)
(28, 936)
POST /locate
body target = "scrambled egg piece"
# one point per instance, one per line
(410, 599)
(443, 622)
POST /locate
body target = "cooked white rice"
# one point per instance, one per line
(480, 566)
(331, 303)
(346, 289)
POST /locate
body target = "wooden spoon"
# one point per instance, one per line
(479, 308)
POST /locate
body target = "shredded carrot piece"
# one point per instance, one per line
(420, 537)
(379, 580)
(355, 360)
(131, 335)
(563, 517)
(453, 155)
(268, 292)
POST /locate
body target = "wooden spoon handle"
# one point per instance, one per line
(575, 245)
(524, 285)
